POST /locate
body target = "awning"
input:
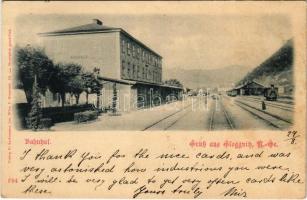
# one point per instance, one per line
(105, 79)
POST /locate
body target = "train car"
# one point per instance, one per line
(271, 93)
(232, 93)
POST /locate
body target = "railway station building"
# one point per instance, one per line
(250, 88)
(120, 58)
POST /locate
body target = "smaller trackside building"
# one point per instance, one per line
(122, 59)
(250, 88)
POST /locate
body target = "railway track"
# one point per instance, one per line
(275, 105)
(216, 115)
(274, 120)
(169, 120)
(279, 100)
(266, 111)
(219, 118)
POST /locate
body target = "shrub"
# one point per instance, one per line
(21, 110)
(85, 116)
(64, 114)
(44, 124)
(56, 114)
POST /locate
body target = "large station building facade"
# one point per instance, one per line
(120, 59)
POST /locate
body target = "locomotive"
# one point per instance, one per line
(271, 93)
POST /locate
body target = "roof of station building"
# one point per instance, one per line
(84, 28)
(248, 83)
(96, 26)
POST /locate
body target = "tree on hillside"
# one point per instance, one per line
(67, 79)
(173, 82)
(33, 62)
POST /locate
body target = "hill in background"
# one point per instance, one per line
(277, 70)
(207, 78)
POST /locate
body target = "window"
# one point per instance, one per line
(138, 52)
(123, 46)
(128, 70)
(123, 68)
(143, 73)
(129, 48)
(133, 51)
(146, 70)
(138, 71)
(143, 55)
(133, 71)
(146, 58)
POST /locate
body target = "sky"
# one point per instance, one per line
(184, 41)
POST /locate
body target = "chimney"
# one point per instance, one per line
(97, 21)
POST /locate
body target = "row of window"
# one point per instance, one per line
(139, 53)
(139, 72)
